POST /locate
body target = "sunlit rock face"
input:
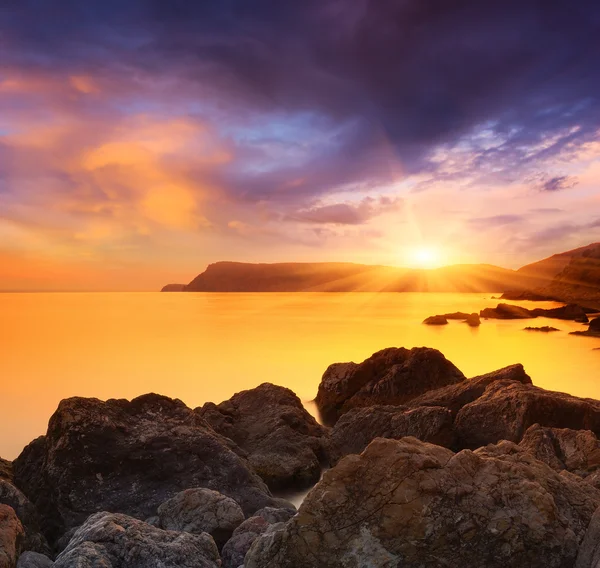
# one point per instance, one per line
(11, 537)
(409, 503)
(118, 541)
(129, 457)
(284, 443)
(390, 376)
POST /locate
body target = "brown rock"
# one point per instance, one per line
(408, 503)
(283, 442)
(473, 320)
(356, 429)
(11, 537)
(506, 311)
(543, 329)
(391, 376)
(507, 409)
(435, 320)
(593, 329)
(6, 471)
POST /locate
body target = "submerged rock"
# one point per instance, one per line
(507, 409)
(435, 320)
(263, 521)
(11, 537)
(454, 397)
(128, 457)
(34, 560)
(543, 329)
(201, 510)
(110, 540)
(391, 376)
(283, 442)
(408, 503)
(356, 429)
(473, 320)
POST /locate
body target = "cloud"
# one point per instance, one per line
(483, 223)
(558, 183)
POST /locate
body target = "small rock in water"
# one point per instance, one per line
(473, 320)
(543, 329)
(435, 320)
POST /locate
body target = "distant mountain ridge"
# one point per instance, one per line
(560, 276)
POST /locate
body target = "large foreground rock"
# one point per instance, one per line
(34, 560)
(202, 510)
(356, 429)
(454, 397)
(284, 443)
(11, 537)
(128, 457)
(107, 540)
(391, 376)
(589, 552)
(507, 409)
(408, 503)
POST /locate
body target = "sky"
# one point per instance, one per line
(141, 140)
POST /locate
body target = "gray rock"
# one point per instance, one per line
(283, 442)
(408, 503)
(589, 551)
(11, 537)
(391, 376)
(108, 540)
(356, 429)
(34, 560)
(129, 457)
(201, 510)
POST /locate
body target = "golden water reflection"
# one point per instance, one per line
(205, 347)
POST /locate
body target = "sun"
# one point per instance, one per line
(425, 257)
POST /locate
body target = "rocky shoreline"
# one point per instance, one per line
(422, 467)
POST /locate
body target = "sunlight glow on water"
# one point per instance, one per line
(206, 347)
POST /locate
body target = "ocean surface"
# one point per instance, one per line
(205, 347)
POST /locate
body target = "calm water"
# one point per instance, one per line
(206, 347)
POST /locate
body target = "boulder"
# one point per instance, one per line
(409, 503)
(27, 514)
(283, 442)
(34, 560)
(11, 537)
(507, 409)
(593, 329)
(6, 471)
(589, 551)
(356, 429)
(129, 457)
(454, 397)
(457, 316)
(577, 451)
(473, 320)
(392, 376)
(506, 311)
(201, 510)
(569, 312)
(435, 320)
(110, 540)
(237, 546)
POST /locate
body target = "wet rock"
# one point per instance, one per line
(11, 537)
(593, 329)
(128, 457)
(391, 376)
(435, 320)
(237, 546)
(356, 429)
(283, 442)
(506, 311)
(543, 329)
(577, 451)
(507, 409)
(408, 503)
(34, 560)
(110, 540)
(473, 320)
(454, 397)
(27, 514)
(201, 510)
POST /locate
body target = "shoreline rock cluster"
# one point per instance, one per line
(422, 467)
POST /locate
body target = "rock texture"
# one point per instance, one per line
(201, 510)
(283, 442)
(266, 520)
(27, 514)
(454, 397)
(34, 560)
(11, 537)
(392, 376)
(407, 503)
(356, 429)
(109, 540)
(589, 552)
(577, 451)
(507, 409)
(6, 471)
(128, 457)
